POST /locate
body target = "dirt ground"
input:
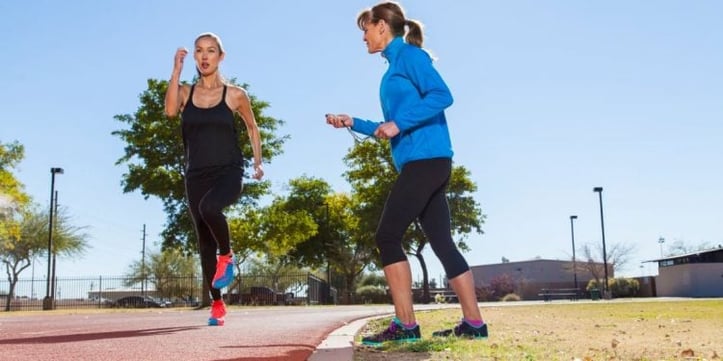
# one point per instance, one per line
(584, 331)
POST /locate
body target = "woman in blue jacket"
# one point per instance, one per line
(413, 97)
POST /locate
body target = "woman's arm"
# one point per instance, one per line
(434, 95)
(242, 105)
(176, 93)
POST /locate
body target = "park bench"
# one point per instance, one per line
(548, 294)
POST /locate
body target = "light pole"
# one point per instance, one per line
(574, 263)
(55, 225)
(602, 227)
(661, 240)
(48, 300)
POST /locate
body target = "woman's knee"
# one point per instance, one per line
(390, 250)
(209, 210)
(453, 262)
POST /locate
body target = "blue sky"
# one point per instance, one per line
(552, 98)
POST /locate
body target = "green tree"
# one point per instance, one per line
(350, 254)
(275, 273)
(270, 232)
(18, 254)
(336, 245)
(154, 157)
(372, 174)
(284, 229)
(172, 273)
(12, 197)
(308, 195)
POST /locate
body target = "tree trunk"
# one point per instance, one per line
(425, 275)
(11, 292)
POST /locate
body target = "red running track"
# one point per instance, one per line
(260, 334)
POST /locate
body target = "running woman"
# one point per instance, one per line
(214, 162)
(413, 97)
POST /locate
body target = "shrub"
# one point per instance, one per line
(503, 284)
(372, 294)
(624, 287)
(510, 297)
(619, 287)
(372, 279)
(439, 298)
(484, 294)
(593, 285)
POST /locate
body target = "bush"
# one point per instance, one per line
(511, 297)
(593, 285)
(484, 294)
(619, 287)
(372, 279)
(624, 287)
(439, 298)
(372, 294)
(503, 284)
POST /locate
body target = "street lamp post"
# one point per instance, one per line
(661, 240)
(48, 300)
(55, 254)
(574, 262)
(602, 227)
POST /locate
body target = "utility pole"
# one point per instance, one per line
(661, 240)
(143, 263)
(574, 261)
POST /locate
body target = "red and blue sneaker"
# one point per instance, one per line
(224, 271)
(218, 312)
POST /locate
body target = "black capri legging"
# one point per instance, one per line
(420, 192)
(208, 192)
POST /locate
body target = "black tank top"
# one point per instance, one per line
(210, 138)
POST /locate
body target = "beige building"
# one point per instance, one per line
(697, 274)
(533, 275)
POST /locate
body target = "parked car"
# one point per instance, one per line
(138, 302)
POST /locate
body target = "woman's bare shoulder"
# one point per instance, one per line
(236, 91)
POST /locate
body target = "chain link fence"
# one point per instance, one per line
(177, 291)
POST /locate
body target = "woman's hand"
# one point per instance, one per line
(178, 59)
(387, 130)
(258, 172)
(339, 120)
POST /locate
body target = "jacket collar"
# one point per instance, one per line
(392, 49)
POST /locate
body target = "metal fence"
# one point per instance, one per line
(107, 292)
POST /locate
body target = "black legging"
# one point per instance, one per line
(420, 192)
(208, 192)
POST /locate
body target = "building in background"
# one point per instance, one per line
(696, 274)
(530, 277)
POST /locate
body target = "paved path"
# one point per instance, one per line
(288, 333)
(263, 334)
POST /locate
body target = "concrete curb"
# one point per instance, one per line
(339, 345)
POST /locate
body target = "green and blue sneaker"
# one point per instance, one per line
(465, 330)
(395, 332)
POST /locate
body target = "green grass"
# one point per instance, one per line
(604, 330)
